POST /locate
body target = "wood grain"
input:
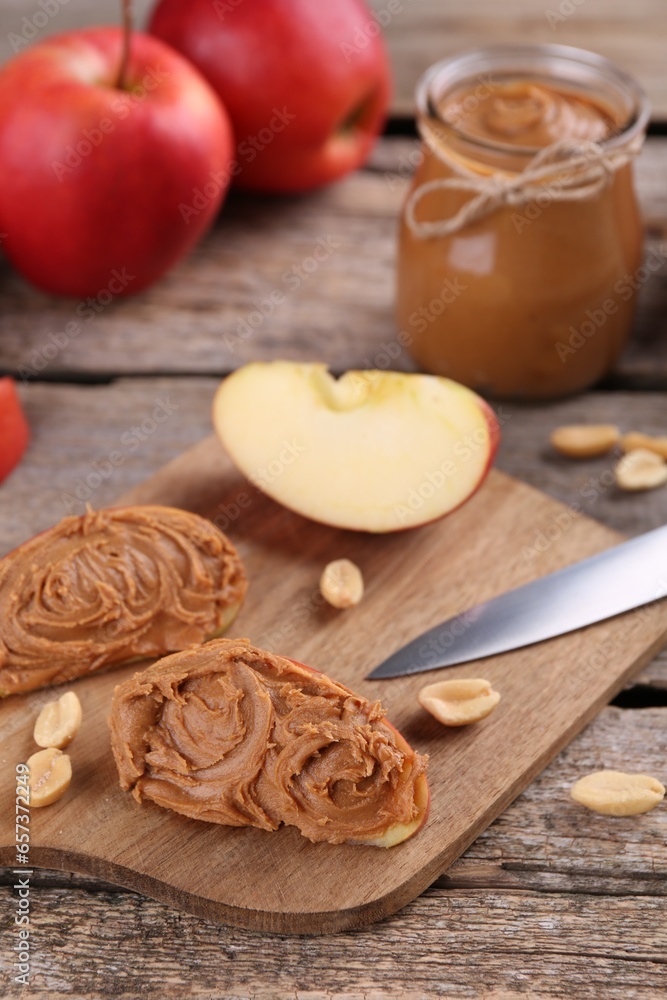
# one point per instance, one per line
(280, 882)
(461, 943)
(545, 903)
(418, 32)
(87, 932)
(206, 316)
(424, 31)
(526, 912)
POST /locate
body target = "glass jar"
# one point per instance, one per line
(520, 239)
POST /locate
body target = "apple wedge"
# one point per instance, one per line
(113, 587)
(232, 734)
(397, 832)
(371, 451)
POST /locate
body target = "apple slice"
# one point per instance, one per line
(372, 451)
(398, 832)
(306, 751)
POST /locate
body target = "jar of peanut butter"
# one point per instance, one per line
(520, 235)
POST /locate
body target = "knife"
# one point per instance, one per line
(619, 579)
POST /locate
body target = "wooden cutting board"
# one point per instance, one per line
(507, 534)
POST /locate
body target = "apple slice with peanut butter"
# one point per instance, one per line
(110, 587)
(233, 734)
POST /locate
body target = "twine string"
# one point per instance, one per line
(588, 168)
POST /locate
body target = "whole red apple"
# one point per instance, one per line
(103, 188)
(14, 430)
(306, 82)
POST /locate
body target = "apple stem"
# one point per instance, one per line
(127, 36)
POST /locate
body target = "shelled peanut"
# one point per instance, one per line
(50, 769)
(643, 465)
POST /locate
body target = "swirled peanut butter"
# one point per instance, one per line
(534, 297)
(112, 586)
(527, 113)
(232, 734)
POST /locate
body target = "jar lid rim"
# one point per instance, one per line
(509, 57)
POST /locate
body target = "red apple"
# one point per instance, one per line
(103, 188)
(14, 431)
(306, 82)
(371, 451)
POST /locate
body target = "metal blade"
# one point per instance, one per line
(619, 579)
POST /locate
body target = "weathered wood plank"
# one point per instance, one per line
(423, 31)
(307, 278)
(551, 901)
(542, 843)
(419, 32)
(459, 943)
(22, 23)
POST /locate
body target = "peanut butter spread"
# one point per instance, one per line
(533, 298)
(234, 735)
(113, 586)
(527, 113)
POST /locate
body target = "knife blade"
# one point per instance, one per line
(624, 577)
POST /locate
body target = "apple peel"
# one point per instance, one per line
(14, 430)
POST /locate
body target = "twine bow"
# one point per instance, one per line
(587, 169)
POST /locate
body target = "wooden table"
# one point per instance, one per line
(548, 902)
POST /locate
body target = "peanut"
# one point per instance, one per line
(634, 440)
(641, 469)
(50, 775)
(614, 793)
(342, 584)
(585, 440)
(459, 702)
(58, 722)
